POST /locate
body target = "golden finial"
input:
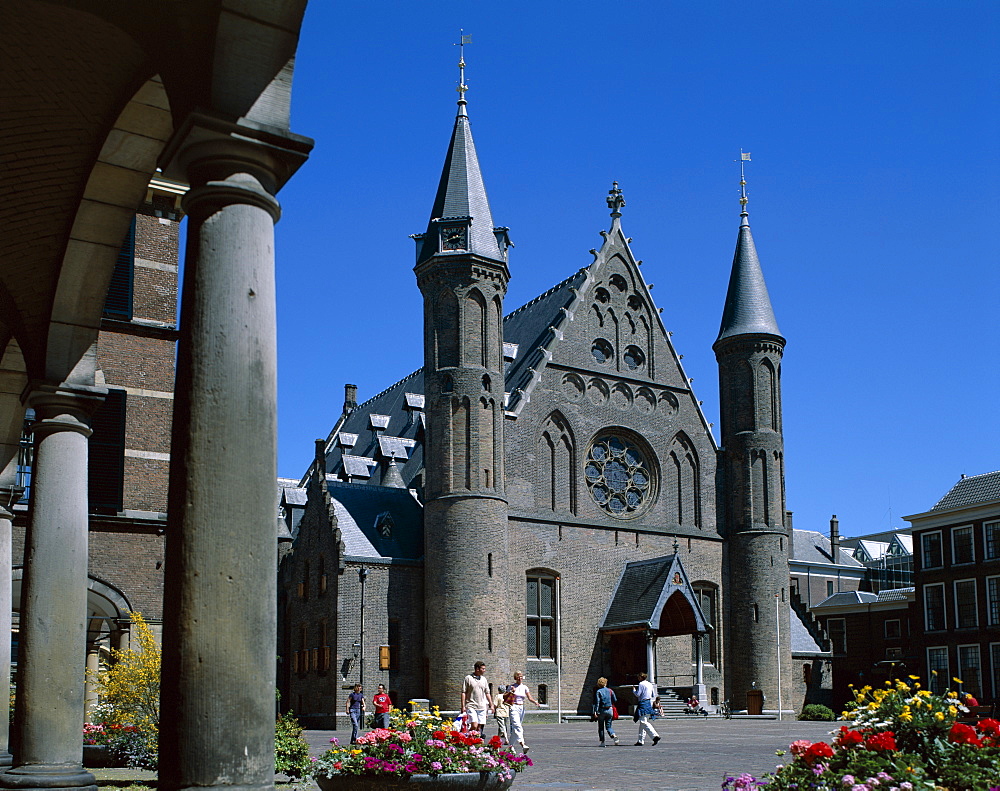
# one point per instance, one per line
(463, 39)
(744, 157)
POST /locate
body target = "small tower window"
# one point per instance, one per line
(447, 384)
(487, 384)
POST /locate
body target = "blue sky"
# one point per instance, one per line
(873, 200)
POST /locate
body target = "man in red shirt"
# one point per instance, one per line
(382, 705)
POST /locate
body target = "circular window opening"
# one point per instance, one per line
(618, 476)
(602, 351)
(602, 296)
(634, 302)
(634, 358)
(618, 282)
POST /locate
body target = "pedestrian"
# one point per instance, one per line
(604, 710)
(356, 709)
(520, 693)
(382, 704)
(476, 702)
(648, 697)
(501, 713)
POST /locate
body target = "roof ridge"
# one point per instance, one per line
(544, 294)
(980, 475)
(390, 387)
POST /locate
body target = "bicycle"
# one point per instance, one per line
(726, 710)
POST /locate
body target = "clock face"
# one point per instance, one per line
(453, 239)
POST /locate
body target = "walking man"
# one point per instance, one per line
(476, 703)
(648, 698)
(382, 704)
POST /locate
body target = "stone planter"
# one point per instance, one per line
(97, 756)
(467, 781)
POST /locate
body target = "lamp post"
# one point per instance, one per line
(362, 577)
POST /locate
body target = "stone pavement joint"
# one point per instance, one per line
(693, 755)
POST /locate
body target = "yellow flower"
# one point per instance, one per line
(915, 678)
(355, 752)
(906, 716)
(957, 680)
(872, 706)
(924, 693)
(939, 715)
(952, 711)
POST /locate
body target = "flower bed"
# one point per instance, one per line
(901, 738)
(419, 744)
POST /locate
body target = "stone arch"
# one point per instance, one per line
(766, 395)
(556, 476)
(683, 482)
(485, 442)
(460, 468)
(474, 332)
(495, 339)
(446, 329)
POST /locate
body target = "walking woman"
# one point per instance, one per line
(520, 692)
(604, 702)
(604, 711)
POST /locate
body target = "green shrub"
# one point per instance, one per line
(291, 751)
(818, 712)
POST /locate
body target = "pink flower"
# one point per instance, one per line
(799, 746)
(405, 737)
(436, 766)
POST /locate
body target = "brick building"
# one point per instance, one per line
(545, 492)
(957, 580)
(129, 448)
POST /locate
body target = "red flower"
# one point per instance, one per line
(989, 727)
(817, 751)
(496, 742)
(441, 735)
(961, 733)
(881, 742)
(848, 737)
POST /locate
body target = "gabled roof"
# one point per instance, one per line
(846, 599)
(748, 308)
(873, 550)
(971, 490)
(808, 546)
(644, 599)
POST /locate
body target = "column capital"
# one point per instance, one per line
(207, 148)
(63, 407)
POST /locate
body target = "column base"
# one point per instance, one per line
(6, 759)
(49, 778)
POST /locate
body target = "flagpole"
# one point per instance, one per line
(777, 623)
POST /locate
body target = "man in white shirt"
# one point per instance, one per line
(648, 698)
(476, 703)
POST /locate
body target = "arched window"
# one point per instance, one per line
(446, 329)
(708, 598)
(541, 610)
(555, 482)
(683, 485)
(475, 334)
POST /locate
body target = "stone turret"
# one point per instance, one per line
(462, 273)
(749, 352)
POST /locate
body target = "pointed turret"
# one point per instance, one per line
(748, 308)
(462, 273)
(461, 221)
(749, 350)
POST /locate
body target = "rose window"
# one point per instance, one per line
(618, 476)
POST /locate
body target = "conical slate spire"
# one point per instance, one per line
(461, 203)
(748, 308)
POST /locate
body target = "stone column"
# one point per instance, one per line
(698, 688)
(651, 657)
(9, 494)
(90, 696)
(219, 635)
(53, 629)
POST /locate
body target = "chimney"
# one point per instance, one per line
(350, 398)
(835, 539)
(321, 460)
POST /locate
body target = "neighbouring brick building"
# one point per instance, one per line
(546, 494)
(956, 546)
(130, 445)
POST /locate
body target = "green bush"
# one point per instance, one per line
(291, 751)
(818, 712)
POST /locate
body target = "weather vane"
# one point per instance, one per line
(744, 157)
(462, 41)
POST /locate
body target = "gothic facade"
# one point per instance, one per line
(545, 492)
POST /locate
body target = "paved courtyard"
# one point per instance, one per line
(694, 755)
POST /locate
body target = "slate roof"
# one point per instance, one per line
(971, 490)
(847, 598)
(462, 193)
(896, 594)
(358, 510)
(802, 641)
(809, 546)
(748, 307)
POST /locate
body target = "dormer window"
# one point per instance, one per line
(384, 524)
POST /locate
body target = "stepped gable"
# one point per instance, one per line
(377, 522)
(971, 490)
